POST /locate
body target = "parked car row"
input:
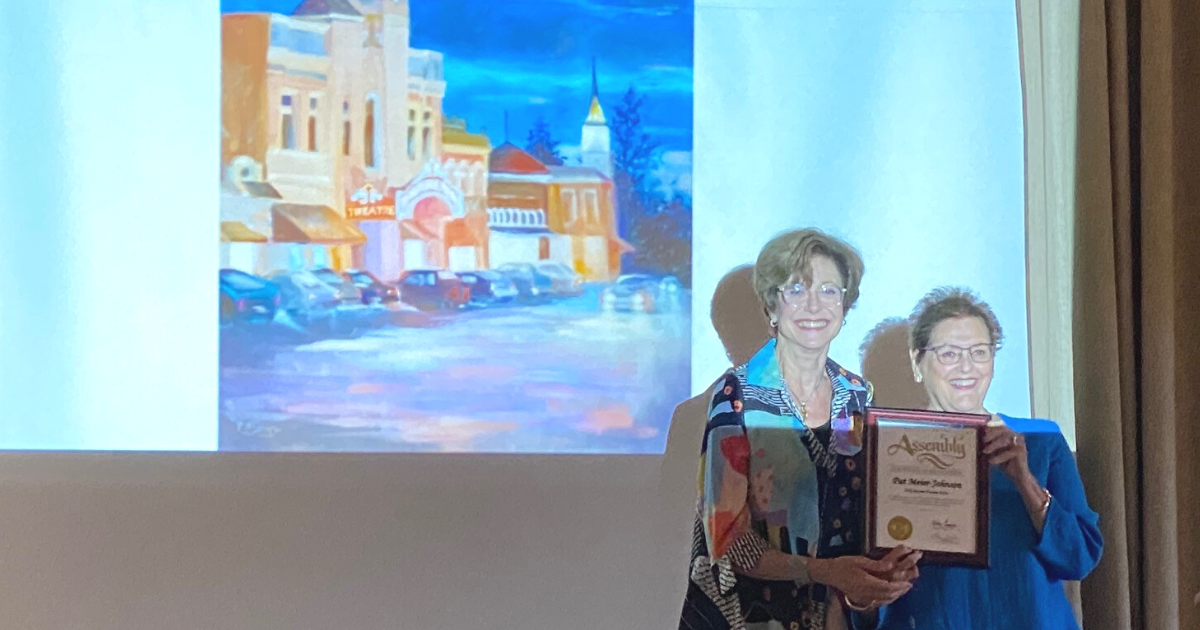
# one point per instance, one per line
(308, 296)
(643, 293)
(305, 296)
(510, 282)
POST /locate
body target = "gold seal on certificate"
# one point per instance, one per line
(927, 485)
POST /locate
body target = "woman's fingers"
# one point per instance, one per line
(909, 560)
(894, 594)
(868, 587)
(898, 566)
(1005, 456)
(879, 567)
(884, 580)
(998, 440)
(991, 434)
(906, 573)
(895, 591)
(889, 562)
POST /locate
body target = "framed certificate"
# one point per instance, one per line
(927, 485)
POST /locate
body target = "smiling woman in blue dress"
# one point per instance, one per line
(1041, 532)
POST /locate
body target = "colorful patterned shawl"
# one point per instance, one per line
(768, 481)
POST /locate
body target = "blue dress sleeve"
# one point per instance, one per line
(1070, 544)
(859, 621)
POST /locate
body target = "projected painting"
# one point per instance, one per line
(454, 225)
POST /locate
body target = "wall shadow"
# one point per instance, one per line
(884, 355)
(743, 328)
(737, 316)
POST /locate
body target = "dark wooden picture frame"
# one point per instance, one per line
(978, 559)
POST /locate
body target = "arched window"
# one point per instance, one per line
(345, 127)
(313, 105)
(412, 134)
(370, 150)
(287, 127)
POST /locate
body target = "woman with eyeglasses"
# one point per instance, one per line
(1042, 531)
(778, 528)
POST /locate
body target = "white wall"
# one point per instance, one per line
(895, 125)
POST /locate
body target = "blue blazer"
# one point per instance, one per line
(1023, 588)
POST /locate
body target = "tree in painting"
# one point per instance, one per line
(541, 145)
(660, 228)
(635, 154)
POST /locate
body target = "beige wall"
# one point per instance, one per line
(315, 543)
(244, 129)
(467, 167)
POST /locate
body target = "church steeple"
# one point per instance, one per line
(595, 143)
(595, 112)
(595, 85)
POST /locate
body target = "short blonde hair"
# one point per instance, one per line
(789, 256)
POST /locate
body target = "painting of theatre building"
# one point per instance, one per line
(454, 225)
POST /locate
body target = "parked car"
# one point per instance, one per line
(563, 280)
(430, 289)
(643, 293)
(304, 296)
(347, 292)
(247, 299)
(374, 290)
(531, 284)
(488, 287)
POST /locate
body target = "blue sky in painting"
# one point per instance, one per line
(533, 57)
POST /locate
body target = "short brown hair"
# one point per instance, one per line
(790, 255)
(945, 303)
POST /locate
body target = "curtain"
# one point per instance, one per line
(1048, 33)
(1136, 305)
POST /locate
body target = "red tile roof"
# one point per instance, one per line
(509, 158)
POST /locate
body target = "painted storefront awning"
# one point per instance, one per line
(261, 189)
(237, 232)
(248, 203)
(308, 223)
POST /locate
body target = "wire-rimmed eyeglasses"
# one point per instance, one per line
(950, 354)
(796, 295)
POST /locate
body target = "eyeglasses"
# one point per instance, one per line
(828, 294)
(952, 355)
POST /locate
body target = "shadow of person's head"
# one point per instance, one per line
(741, 324)
(885, 363)
(738, 315)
